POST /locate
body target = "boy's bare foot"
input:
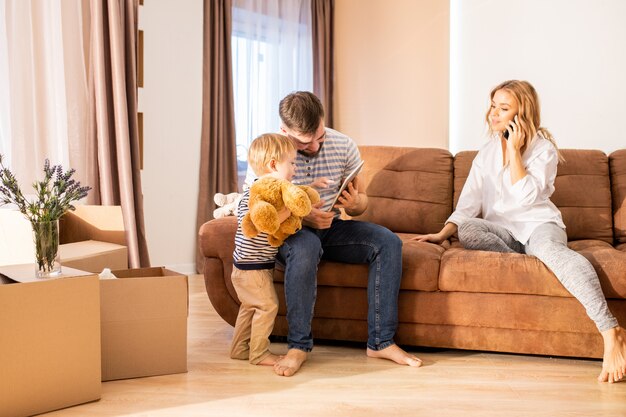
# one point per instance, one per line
(396, 354)
(614, 361)
(270, 360)
(289, 364)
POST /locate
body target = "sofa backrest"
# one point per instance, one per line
(409, 189)
(582, 192)
(617, 169)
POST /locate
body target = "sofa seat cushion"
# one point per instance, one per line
(493, 272)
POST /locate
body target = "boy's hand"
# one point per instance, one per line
(283, 214)
(323, 182)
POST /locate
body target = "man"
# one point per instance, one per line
(325, 158)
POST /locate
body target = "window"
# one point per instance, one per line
(272, 56)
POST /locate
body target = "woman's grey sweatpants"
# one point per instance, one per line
(548, 243)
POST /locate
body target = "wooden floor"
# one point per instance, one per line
(342, 381)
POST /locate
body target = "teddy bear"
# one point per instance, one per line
(226, 204)
(268, 196)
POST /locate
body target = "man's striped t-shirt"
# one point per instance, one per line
(337, 158)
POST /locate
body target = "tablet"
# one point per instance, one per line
(347, 181)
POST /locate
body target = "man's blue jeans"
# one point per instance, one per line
(349, 242)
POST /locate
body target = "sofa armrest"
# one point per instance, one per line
(216, 240)
(100, 223)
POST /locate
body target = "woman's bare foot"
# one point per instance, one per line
(614, 361)
(396, 354)
(270, 360)
(289, 364)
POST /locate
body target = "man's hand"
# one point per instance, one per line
(318, 219)
(351, 201)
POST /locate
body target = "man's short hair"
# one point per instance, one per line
(302, 112)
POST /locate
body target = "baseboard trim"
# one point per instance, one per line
(187, 269)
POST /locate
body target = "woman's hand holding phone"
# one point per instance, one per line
(513, 135)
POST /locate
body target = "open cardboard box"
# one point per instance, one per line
(93, 238)
(49, 340)
(143, 323)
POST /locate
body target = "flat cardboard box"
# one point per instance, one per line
(144, 323)
(93, 255)
(49, 341)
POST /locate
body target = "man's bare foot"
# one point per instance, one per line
(270, 360)
(396, 354)
(289, 364)
(614, 361)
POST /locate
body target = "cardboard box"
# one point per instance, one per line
(49, 341)
(93, 256)
(101, 223)
(144, 323)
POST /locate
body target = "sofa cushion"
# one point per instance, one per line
(409, 189)
(582, 192)
(506, 273)
(617, 169)
(493, 272)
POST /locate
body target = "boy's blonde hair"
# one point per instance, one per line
(266, 147)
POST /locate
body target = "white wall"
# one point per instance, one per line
(171, 101)
(572, 51)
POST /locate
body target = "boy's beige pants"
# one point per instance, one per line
(259, 306)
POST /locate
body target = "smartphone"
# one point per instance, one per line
(506, 131)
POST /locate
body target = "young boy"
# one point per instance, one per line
(271, 155)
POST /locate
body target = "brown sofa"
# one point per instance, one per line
(451, 297)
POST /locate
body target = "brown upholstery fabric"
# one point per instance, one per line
(504, 273)
(462, 165)
(527, 312)
(609, 263)
(521, 274)
(464, 337)
(617, 168)
(408, 189)
(582, 192)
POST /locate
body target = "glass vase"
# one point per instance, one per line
(46, 237)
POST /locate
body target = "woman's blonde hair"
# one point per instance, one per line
(268, 147)
(529, 111)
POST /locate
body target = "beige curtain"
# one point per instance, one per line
(322, 17)
(44, 54)
(115, 144)
(218, 163)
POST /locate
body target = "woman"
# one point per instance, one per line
(510, 184)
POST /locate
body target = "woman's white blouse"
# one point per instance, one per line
(521, 207)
